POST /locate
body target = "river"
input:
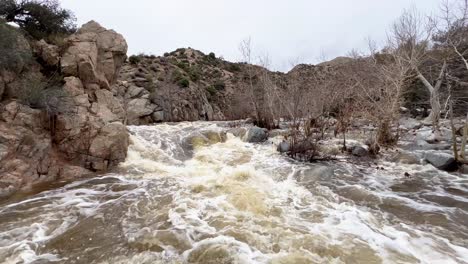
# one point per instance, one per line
(190, 193)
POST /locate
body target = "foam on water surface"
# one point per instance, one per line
(190, 193)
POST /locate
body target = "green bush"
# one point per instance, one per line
(14, 51)
(194, 73)
(134, 59)
(40, 18)
(211, 90)
(180, 79)
(39, 94)
(183, 83)
(233, 67)
(219, 85)
(183, 65)
(166, 54)
(212, 56)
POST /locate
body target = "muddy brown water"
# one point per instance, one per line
(189, 194)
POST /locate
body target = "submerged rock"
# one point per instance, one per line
(406, 157)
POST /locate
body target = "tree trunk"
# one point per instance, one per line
(434, 116)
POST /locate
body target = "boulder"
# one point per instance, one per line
(109, 147)
(283, 147)
(134, 91)
(359, 151)
(315, 173)
(440, 160)
(158, 116)
(50, 54)
(94, 55)
(406, 157)
(238, 132)
(255, 135)
(137, 108)
(410, 123)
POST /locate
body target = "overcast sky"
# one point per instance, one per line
(294, 30)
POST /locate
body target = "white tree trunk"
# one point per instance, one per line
(434, 116)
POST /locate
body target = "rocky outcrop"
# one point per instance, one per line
(27, 153)
(50, 54)
(94, 55)
(92, 62)
(90, 136)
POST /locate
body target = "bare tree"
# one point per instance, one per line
(410, 38)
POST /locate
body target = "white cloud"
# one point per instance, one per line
(285, 29)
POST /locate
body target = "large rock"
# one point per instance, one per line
(94, 55)
(255, 135)
(109, 147)
(137, 108)
(440, 160)
(93, 135)
(283, 147)
(50, 54)
(27, 155)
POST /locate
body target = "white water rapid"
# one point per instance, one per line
(192, 193)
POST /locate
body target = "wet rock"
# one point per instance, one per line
(238, 132)
(255, 135)
(440, 160)
(277, 132)
(410, 123)
(315, 173)
(406, 157)
(283, 147)
(359, 151)
(464, 169)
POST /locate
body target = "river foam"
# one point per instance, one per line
(192, 193)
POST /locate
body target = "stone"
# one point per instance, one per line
(238, 132)
(410, 123)
(110, 146)
(137, 108)
(406, 157)
(464, 169)
(255, 135)
(158, 116)
(359, 151)
(134, 91)
(440, 160)
(283, 147)
(49, 53)
(315, 173)
(94, 55)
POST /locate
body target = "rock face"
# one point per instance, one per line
(90, 136)
(27, 153)
(94, 55)
(94, 135)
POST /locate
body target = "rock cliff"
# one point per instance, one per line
(37, 145)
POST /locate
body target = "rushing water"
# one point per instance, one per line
(190, 193)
